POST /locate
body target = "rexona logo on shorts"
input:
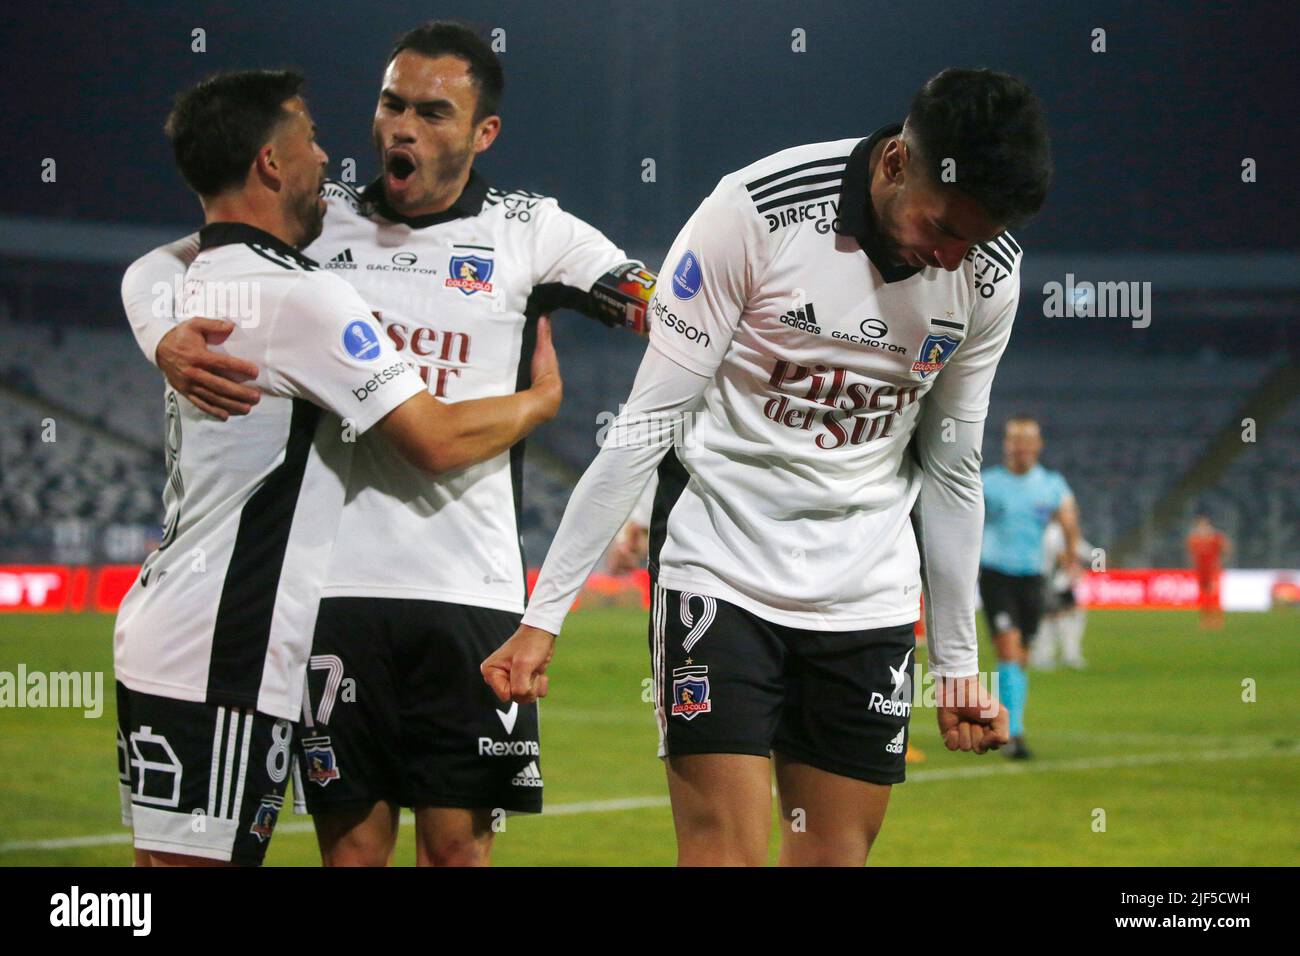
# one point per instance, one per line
(378, 381)
(487, 747)
(361, 341)
(691, 691)
(688, 276)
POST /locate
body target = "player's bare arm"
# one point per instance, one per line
(1068, 516)
(440, 437)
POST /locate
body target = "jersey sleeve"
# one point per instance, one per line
(1063, 490)
(149, 291)
(948, 520)
(706, 280)
(963, 386)
(326, 347)
(568, 251)
(645, 429)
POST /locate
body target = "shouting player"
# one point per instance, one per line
(212, 640)
(429, 575)
(1020, 498)
(825, 341)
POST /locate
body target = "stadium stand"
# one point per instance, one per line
(1124, 429)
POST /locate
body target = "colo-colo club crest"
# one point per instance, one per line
(691, 691)
(935, 352)
(470, 274)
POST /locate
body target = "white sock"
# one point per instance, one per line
(1072, 628)
(1042, 652)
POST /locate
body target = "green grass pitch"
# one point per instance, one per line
(1155, 734)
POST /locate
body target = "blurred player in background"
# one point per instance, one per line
(1207, 549)
(813, 398)
(1063, 623)
(1020, 498)
(429, 576)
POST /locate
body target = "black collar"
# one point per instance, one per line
(856, 217)
(468, 203)
(229, 233)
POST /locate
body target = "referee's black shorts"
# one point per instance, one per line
(1012, 602)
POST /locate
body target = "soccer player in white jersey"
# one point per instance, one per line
(1064, 621)
(827, 338)
(212, 640)
(429, 575)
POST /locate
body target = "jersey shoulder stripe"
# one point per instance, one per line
(1003, 250)
(495, 195)
(795, 176)
(347, 188)
(787, 176)
(300, 264)
(802, 197)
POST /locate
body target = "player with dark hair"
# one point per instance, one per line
(429, 575)
(826, 341)
(1021, 498)
(212, 640)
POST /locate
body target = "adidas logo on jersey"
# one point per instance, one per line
(530, 776)
(805, 320)
(895, 746)
(343, 260)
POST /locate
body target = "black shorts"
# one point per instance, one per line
(1057, 600)
(727, 681)
(1012, 601)
(200, 779)
(399, 710)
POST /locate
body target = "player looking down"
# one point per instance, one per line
(824, 341)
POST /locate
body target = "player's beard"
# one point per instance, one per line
(886, 229)
(310, 216)
(447, 168)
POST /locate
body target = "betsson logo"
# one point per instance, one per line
(378, 380)
(679, 325)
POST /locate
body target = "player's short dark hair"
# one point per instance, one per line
(217, 126)
(450, 38)
(993, 127)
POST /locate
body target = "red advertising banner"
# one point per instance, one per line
(34, 587)
(45, 588)
(1151, 589)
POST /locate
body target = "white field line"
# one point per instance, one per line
(1003, 768)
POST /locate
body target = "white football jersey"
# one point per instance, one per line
(224, 610)
(452, 292)
(791, 493)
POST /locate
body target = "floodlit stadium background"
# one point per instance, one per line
(1149, 425)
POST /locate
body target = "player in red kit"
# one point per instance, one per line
(1207, 547)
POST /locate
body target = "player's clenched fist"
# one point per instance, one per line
(969, 718)
(517, 669)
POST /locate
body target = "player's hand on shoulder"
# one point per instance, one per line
(213, 382)
(969, 717)
(517, 669)
(546, 381)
